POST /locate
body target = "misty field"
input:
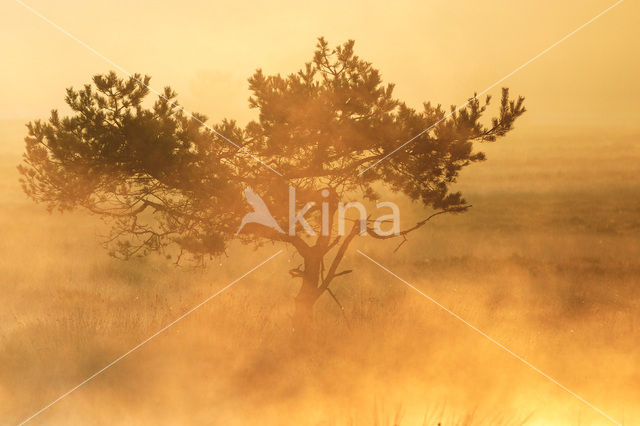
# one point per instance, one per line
(546, 262)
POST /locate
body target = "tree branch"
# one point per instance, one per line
(417, 225)
(331, 273)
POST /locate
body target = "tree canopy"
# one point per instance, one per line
(162, 178)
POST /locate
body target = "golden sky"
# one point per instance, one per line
(441, 51)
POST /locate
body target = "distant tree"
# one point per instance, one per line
(166, 182)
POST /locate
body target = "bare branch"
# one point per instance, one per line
(417, 225)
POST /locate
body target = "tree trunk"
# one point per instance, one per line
(307, 295)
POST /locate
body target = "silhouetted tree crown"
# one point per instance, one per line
(161, 177)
